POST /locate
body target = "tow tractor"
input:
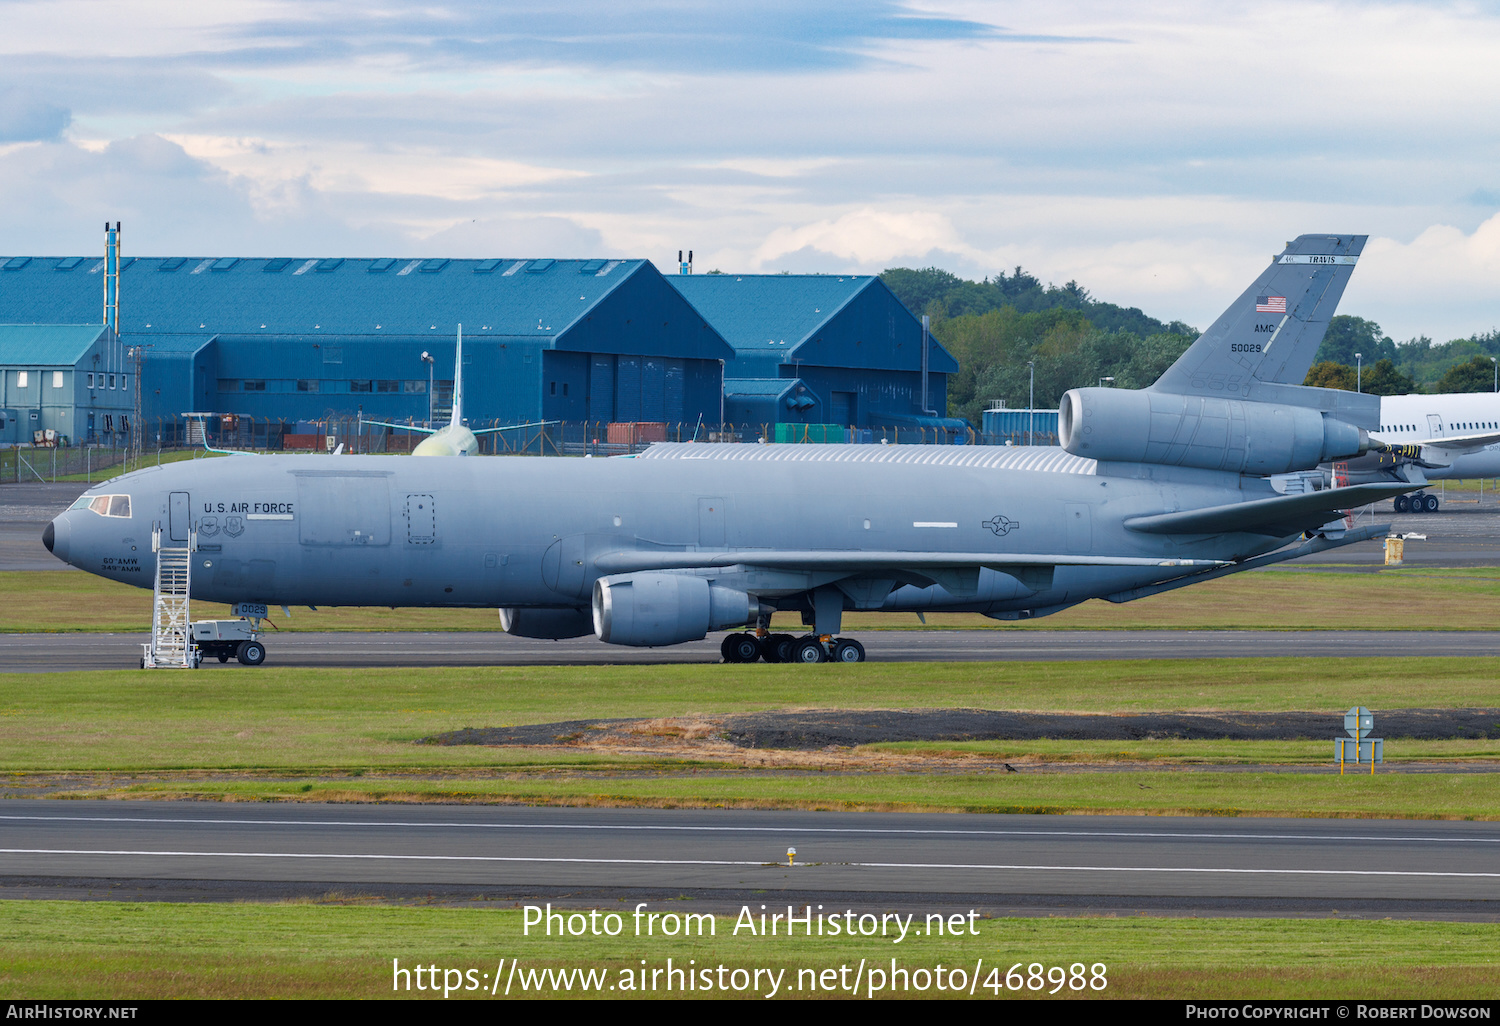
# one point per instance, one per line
(224, 638)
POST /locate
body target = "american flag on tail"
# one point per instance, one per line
(1270, 304)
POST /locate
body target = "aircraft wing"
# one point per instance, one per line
(855, 561)
(1277, 517)
(403, 427)
(1459, 444)
(515, 427)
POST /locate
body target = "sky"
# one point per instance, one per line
(1157, 154)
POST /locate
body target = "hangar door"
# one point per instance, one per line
(601, 388)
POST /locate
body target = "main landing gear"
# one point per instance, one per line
(1418, 503)
(788, 648)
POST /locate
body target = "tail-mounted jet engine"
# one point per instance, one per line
(546, 624)
(1146, 426)
(650, 609)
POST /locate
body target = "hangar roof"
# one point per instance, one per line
(533, 298)
(761, 313)
(777, 322)
(159, 345)
(46, 345)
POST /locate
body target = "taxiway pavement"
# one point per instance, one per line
(722, 858)
(39, 653)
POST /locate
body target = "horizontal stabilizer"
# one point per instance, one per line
(854, 561)
(1276, 517)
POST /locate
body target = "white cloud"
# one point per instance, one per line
(865, 237)
(344, 166)
(1444, 283)
(1159, 165)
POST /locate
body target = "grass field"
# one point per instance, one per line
(127, 951)
(1395, 599)
(317, 734)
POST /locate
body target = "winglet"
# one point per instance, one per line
(1270, 334)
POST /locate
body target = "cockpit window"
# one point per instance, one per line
(105, 505)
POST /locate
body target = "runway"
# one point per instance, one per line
(39, 653)
(726, 857)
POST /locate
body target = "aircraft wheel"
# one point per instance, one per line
(768, 649)
(1430, 503)
(784, 644)
(740, 648)
(727, 649)
(1403, 504)
(251, 653)
(847, 650)
(809, 650)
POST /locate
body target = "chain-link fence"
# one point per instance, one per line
(165, 439)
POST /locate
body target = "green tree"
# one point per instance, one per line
(1385, 379)
(1330, 375)
(1349, 335)
(1150, 359)
(921, 289)
(1478, 375)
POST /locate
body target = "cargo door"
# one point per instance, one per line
(179, 512)
(343, 509)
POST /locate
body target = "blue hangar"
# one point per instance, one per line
(822, 348)
(308, 339)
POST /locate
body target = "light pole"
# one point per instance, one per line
(1492, 361)
(1031, 401)
(427, 359)
(1103, 380)
(1359, 372)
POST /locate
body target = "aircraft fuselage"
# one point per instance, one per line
(528, 531)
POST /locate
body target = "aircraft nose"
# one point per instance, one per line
(55, 537)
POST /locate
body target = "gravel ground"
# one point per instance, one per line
(809, 731)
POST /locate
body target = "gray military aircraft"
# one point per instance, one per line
(1154, 489)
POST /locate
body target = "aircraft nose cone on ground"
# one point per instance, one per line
(55, 537)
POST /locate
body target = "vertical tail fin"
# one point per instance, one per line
(1271, 333)
(457, 418)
